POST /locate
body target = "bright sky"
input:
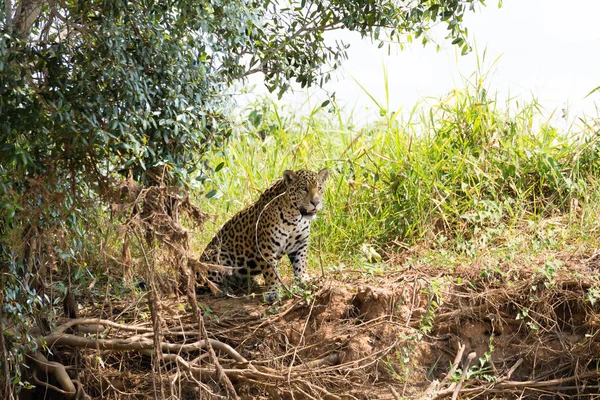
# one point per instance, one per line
(547, 48)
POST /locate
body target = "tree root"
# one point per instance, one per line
(71, 389)
(135, 343)
(110, 336)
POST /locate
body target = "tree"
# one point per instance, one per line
(92, 90)
(95, 87)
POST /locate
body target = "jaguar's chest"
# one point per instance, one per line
(284, 231)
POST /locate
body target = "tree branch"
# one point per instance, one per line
(303, 30)
(8, 15)
(27, 13)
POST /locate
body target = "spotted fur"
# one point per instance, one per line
(278, 223)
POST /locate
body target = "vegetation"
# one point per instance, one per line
(488, 205)
(103, 87)
(93, 92)
(458, 181)
(462, 173)
(96, 92)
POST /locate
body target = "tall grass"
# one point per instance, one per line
(463, 173)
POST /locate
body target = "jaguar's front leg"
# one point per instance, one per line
(300, 265)
(272, 281)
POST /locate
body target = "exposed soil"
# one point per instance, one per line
(533, 335)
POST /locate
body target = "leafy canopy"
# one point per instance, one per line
(97, 87)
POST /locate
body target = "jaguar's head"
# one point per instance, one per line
(305, 190)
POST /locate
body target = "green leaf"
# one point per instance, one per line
(592, 92)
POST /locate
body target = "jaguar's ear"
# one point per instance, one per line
(289, 176)
(323, 175)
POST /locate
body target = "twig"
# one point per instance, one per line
(221, 375)
(459, 354)
(463, 376)
(351, 366)
(431, 389)
(308, 396)
(300, 341)
(321, 255)
(412, 303)
(331, 359)
(394, 393)
(511, 371)
(292, 307)
(326, 394)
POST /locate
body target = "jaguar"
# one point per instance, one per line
(254, 240)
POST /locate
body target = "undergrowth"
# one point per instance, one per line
(462, 176)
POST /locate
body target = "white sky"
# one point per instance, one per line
(549, 49)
